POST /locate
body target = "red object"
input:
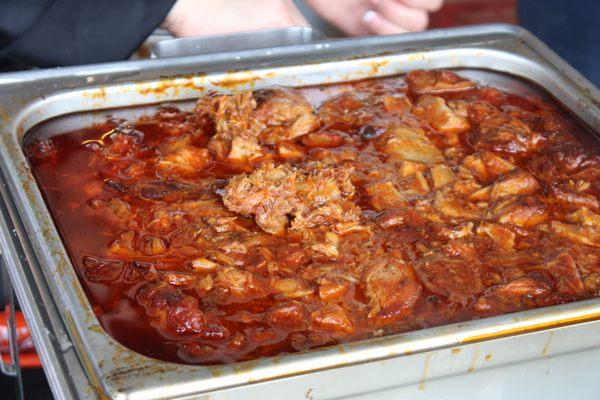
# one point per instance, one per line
(469, 12)
(28, 358)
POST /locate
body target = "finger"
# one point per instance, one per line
(412, 19)
(381, 25)
(429, 5)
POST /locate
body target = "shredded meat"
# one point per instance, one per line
(406, 143)
(391, 287)
(437, 114)
(282, 220)
(506, 134)
(298, 197)
(459, 280)
(286, 115)
(515, 294)
(437, 82)
(243, 126)
(236, 130)
(170, 308)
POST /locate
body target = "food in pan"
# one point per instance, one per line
(288, 219)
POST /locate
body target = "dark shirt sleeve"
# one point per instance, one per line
(73, 32)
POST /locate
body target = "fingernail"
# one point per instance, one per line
(369, 16)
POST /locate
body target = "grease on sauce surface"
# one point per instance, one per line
(288, 219)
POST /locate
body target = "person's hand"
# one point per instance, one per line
(382, 17)
(209, 17)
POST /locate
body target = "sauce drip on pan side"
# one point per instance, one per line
(284, 220)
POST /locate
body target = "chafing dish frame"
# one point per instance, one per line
(83, 361)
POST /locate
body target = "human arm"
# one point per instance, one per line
(48, 33)
(367, 17)
(210, 17)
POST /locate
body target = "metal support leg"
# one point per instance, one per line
(12, 367)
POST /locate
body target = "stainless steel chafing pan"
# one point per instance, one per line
(82, 361)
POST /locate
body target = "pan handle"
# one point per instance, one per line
(252, 40)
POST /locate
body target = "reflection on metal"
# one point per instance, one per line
(259, 39)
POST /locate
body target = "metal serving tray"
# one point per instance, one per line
(82, 361)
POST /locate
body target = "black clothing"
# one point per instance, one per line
(48, 33)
